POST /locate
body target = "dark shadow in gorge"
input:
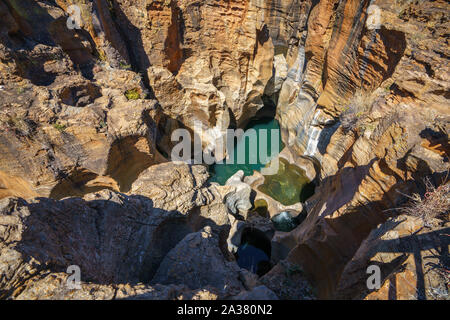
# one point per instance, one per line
(325, 137)
(255, 251)
(132, 36)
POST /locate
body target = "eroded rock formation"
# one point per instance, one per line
(89, 109)
(116, 240)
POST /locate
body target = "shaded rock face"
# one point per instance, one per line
(197, 262)
(412, 259)
(127, 247)
(118, 241)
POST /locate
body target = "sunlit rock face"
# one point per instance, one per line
(238, 201)
(203, 60)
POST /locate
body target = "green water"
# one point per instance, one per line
(220, 173)
(289, 186)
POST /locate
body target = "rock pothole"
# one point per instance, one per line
(80, 95)
(254, 251)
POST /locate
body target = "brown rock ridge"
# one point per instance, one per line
(68, 124)
(207, 61)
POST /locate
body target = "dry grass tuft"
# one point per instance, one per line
(435, 203)
(356, 110)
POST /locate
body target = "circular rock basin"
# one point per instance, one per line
(289, 186)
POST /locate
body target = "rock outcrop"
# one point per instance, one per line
(198, 262)
(365, 169)
(68, 126)
(119, 243)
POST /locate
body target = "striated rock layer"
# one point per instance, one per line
(401, 66)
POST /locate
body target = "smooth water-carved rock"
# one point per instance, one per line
(276, 82)
(238, 202)
(411, 258)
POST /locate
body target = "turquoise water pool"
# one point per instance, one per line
(288, 186)
(220, 173)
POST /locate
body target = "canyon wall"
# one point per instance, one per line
(179, 62)
(365, 98)
(401, 66)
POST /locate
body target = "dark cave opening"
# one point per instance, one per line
(254, 252)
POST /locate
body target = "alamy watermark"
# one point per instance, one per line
(74, 280)
(223, 151)
(374, 280)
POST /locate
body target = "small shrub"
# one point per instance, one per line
(124, 66)
(356, 110)
(59, 127)
(133, 94)
(434, 204)
(102, 124)
(20, 90)
(18, 125)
